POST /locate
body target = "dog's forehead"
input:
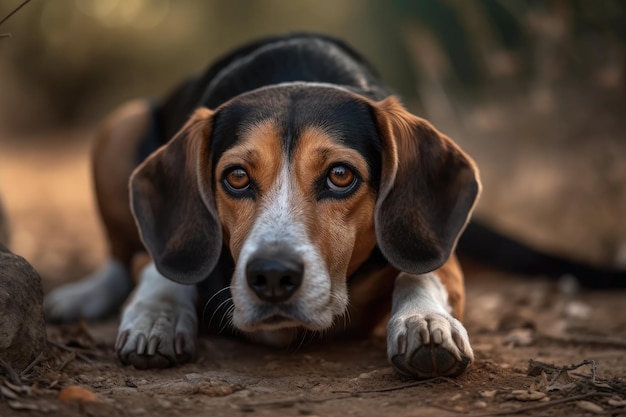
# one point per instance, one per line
(291, 109)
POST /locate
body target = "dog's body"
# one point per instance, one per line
(306, 199)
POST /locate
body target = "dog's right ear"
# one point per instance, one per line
(172, 201)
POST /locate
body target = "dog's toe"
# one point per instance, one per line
(428, 346)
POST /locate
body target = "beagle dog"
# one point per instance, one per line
(296, 196)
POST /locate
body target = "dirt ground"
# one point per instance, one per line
(511, 320)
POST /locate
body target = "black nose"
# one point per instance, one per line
(274, 278)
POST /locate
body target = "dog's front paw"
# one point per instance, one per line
(426, 346)
(157, 335)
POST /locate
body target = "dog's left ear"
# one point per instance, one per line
(428, 189)
(172, 201)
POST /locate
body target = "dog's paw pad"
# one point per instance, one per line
(433, 360)
(429, 346)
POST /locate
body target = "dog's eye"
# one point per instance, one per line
(237, 179)
(340, 179)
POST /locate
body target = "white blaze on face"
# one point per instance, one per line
(281, 223)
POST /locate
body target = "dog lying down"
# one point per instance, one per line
(283, 191)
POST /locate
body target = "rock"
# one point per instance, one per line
(22, 327)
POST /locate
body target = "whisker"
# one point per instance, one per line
(206, 305)
(229, 322)
(302, 340)
(218, 308)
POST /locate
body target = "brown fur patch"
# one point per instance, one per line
(260, 154)
(343, 229)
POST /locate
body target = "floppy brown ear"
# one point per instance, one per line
(172, 201)
(427, 192)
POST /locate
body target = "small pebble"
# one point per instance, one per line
(589, 406)
(480, 404)
(488, 394)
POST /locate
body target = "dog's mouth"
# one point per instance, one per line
(276, 319)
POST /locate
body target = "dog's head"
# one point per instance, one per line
(300, 183)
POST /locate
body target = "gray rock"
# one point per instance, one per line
(22, 327)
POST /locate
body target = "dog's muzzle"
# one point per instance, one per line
(274, 276)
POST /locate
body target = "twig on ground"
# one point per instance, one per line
(80, 353)
(289, 402)
(32, 364)
(67, 360)
(394, 388)
(541, 405)
(586, 379)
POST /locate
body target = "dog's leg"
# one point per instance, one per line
(159, 325)
(93, 297)
(114, 158)
(423, 338)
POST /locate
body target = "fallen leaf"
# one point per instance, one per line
(563, 382)
(74, 393)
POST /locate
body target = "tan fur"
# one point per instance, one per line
(343, 229)
(258, 154)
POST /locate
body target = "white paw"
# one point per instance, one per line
(157, 335)
(428, 345)
(159, 326)
(94, 297)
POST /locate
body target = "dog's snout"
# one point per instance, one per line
(274, 278)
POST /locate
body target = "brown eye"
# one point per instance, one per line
(340, 179)
(237, 179)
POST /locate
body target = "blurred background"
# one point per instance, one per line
(535, 91)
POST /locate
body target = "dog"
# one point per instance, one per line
(296, 195)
